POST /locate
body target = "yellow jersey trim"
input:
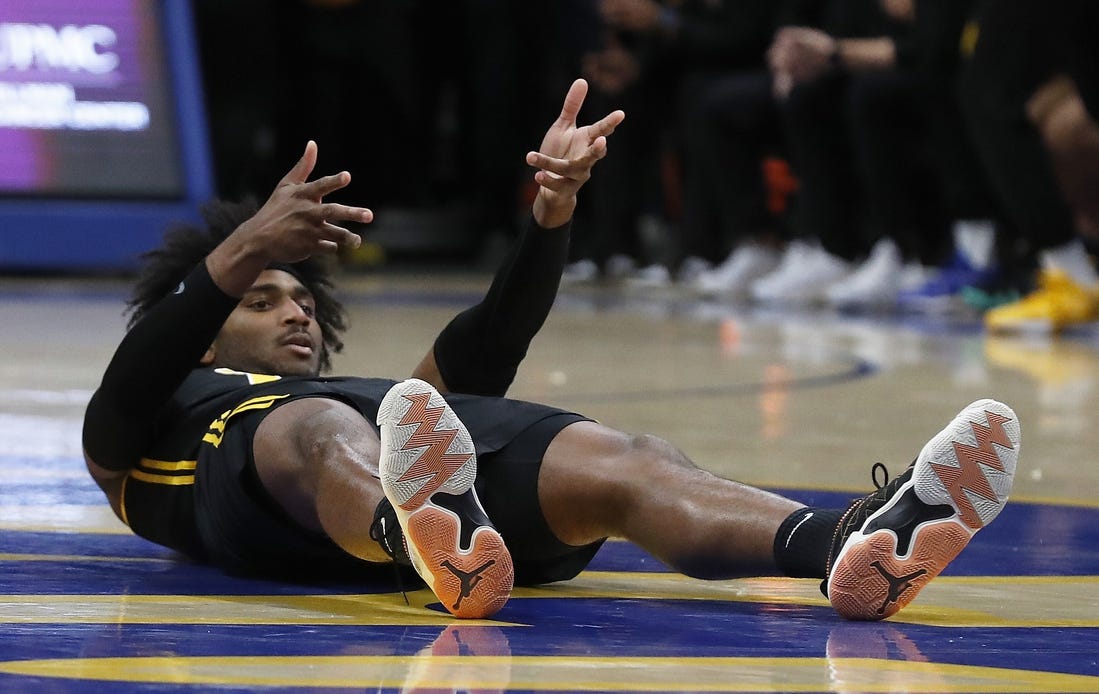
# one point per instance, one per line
(173, 480)
(217, 428)
(168, 465)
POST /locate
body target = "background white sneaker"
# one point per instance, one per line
(649, 277)
(580, 271)
(690, 269)
(802, 276)
(734, 276)
(876, 282)
(619, 267)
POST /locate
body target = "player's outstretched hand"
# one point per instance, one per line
(295, 223)
(566, 157)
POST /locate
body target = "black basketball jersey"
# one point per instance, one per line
(158, 499)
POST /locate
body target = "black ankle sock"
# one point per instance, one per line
(804, 540)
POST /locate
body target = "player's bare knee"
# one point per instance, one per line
(301, 446)
(655, 453)
(625, 477)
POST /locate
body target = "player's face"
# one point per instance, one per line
(272, 330)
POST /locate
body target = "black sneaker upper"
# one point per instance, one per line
(901, 519)
(386, 531)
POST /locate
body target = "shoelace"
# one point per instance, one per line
(855, 516)
(874, 475)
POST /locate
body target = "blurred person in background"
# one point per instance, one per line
(866, 203)
(452, 83)
(968, 270)
(1021, 46)
(656, 60)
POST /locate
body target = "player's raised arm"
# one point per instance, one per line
(171, 337)
(480, 350)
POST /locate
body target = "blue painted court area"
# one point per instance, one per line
(109, 612)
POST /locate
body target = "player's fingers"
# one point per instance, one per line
(304, 166)
(335, 236)
(332, 210)
(596, 151)
(329, 247)
(542, 161)
(326, 184)
(574, 99)
(560, 168)
(570, 168)
(552, 181)
(606, 125)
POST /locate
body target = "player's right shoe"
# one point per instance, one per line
(890, 544)
(428, 466)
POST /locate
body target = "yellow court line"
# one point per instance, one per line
(330, 610)
(570, 673)
(1005, 602)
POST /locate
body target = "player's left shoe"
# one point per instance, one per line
(428, 466)
(890, 544)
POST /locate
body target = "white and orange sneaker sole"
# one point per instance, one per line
(428, 466)
(960, 483)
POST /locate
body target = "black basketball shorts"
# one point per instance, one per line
(244, 530)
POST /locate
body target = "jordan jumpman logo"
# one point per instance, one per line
(469, 579)
(897, 584)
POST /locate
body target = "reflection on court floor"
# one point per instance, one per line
(85, 606)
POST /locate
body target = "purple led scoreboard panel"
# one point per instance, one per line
(102, 137)
(83, 106)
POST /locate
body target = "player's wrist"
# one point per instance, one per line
(237, 261)
(552, 214)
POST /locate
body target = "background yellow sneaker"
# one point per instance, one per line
(1057, 303)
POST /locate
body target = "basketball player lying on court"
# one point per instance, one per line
(214, 433)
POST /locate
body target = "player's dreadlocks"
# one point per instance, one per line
(185, 246)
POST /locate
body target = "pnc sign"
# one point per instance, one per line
(45, 48)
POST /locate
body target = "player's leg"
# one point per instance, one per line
(875, 556)
(596, 482)
(328, 470)
(318, 459)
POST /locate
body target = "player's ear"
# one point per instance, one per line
(208, 358)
